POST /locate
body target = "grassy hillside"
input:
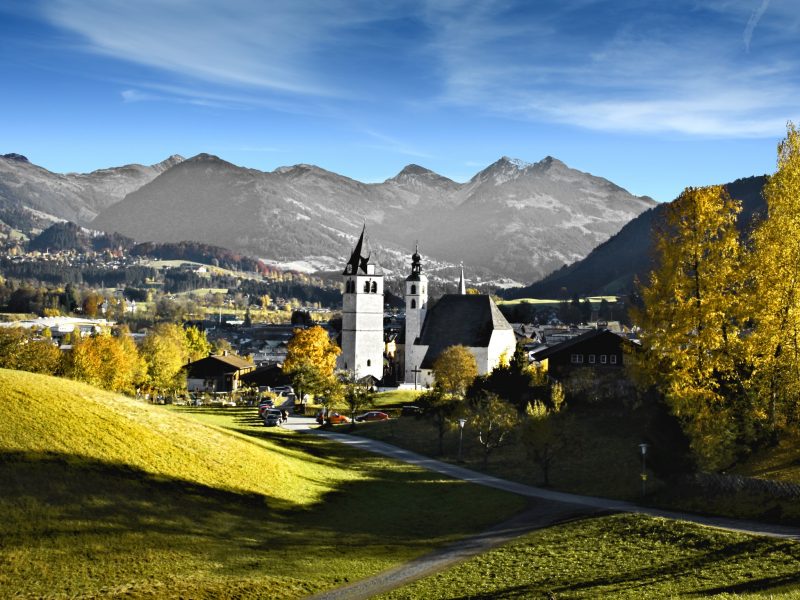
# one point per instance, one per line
(102, 496)
(622, 556)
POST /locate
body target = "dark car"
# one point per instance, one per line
(373, 415)
(410, 411)
(272, 417)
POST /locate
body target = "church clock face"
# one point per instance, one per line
(349, 268)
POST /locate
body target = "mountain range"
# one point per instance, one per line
(613, 266)
(511, 221)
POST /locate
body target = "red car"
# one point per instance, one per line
(373, 415)
(336, 419)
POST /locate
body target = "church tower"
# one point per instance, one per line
(362, 315)
(416, 297)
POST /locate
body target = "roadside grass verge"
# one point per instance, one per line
(102, 495)
(622, 556)
(396, 398)
(600, 457)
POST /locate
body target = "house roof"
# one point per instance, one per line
(467, 320)
(218, 364)
(571, 343)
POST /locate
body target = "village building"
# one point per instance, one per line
(362, 315)
(598, 349)
(217, 374)
(461, 319)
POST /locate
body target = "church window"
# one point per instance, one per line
(374, 287)
(423, 289)
(366, 286)
(369, 362)
(413, 304)
(413, 289)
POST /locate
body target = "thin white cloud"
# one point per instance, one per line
(670, 69)
(240, 42)
(394, 145)
(753, 23)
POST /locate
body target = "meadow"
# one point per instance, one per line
(104, 496)
(621, 556)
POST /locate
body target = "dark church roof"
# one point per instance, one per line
(357, 265)
(456, 319)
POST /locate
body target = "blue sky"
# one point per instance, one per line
(652, 95)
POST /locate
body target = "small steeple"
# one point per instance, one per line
(462, 285)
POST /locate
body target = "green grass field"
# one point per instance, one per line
(622, 556)
(551, 302)
(601, 456)
(103, 496)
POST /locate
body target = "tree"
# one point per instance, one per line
(165, 353)
(775, 271)
(440, 407)
(357, 395)
(454, 370)
(197, 343)
(692, 318)
(23, 350)
(514, 381)
(495, 419)
(541, 431)
(311, 360)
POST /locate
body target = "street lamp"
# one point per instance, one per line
(643, 449)
(461, 423)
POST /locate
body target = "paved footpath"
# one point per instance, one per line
(552, 507)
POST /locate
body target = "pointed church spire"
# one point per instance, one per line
(356, 260)
(462, 285)
(360, 264)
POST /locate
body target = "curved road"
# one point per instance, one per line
(552, 507)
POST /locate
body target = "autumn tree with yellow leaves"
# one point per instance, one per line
(692, 318)
(774, 269)
(311, 360)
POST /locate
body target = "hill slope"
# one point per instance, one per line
(613, 265)
(103, 496)
(75, 197)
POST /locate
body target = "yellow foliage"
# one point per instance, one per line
(311, 347)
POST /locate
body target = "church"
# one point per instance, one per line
(469, 320)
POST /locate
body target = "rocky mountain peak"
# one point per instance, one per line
(168, 163)
(413, 169)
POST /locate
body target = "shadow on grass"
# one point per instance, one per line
(385, 508)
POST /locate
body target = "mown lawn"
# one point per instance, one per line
(103, 496)
(622, 556)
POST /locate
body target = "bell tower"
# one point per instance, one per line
(362, 315)
(416, 297)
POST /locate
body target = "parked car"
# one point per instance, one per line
(336, 419)
(265, 405)
(410, 411)
(373, 415)
(272, 417)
